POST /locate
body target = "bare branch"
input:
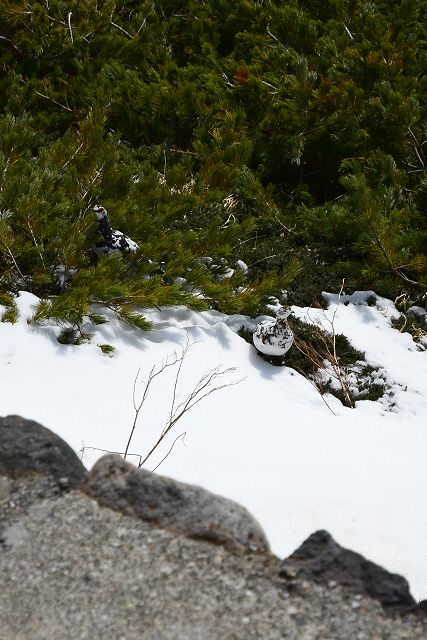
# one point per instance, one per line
(175, 386)
(335, 360)
(231, 218)
(6, 167)
(84, 191)
(275, 38)
(274, 255)
(118, 453)
(36, 243)
(139, 407)
(350, 35)
(70, 13)
(302, 347)
(227, 81)
(328, 354)
(143, 23)
(59, 104)
(151, 376)
(202, 389)
(418, 148)
(134, 389)
(12, 257)
(273, 93)
(197, 394)
(77, 151)
(122, 30)
(182, 436)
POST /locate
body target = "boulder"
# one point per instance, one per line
(323, 560)
(166, 503)
(28, 447)
(68, 562)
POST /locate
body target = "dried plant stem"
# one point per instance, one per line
(328, 353)
(207, 384)
(70, 13)
(59, 104)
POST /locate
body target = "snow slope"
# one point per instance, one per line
(269, 442)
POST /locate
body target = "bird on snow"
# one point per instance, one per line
(110, 240)
(274, 337)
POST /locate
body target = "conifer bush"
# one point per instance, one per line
(290, 136)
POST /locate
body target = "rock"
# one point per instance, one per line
(166, 503)
(418, 313)
(26, 446)
(70, 568)
(421, 608)
(322, 559)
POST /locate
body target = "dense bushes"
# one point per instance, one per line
(277, 134)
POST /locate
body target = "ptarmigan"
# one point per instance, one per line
(274, 337)
(111, 240)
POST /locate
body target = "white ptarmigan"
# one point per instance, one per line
(274, 337)
(111, 240)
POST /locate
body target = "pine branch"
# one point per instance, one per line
(389, 261)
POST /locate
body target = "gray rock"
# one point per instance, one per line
(26, 446)
(422, 607)
(71, 569)
(166, 503)
(17, 495)
(322, 559)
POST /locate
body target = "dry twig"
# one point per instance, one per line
(328, 353)
(209, 383)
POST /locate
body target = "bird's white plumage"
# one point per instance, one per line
(119, 242)
(111, 240)
(274, 337)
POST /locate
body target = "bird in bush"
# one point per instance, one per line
(110, 240)
(274, 337)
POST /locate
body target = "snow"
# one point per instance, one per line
(269, 441)
(242, 265)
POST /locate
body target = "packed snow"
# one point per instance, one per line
(267, 439)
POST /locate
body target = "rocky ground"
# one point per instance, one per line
(101, 555)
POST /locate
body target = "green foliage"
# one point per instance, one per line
(414, 326)
(107, 349)
(287, 135)
(127, 315)
(410, 321)
(71, 307)
(10, 312)
(72, 336)
(97, 318)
